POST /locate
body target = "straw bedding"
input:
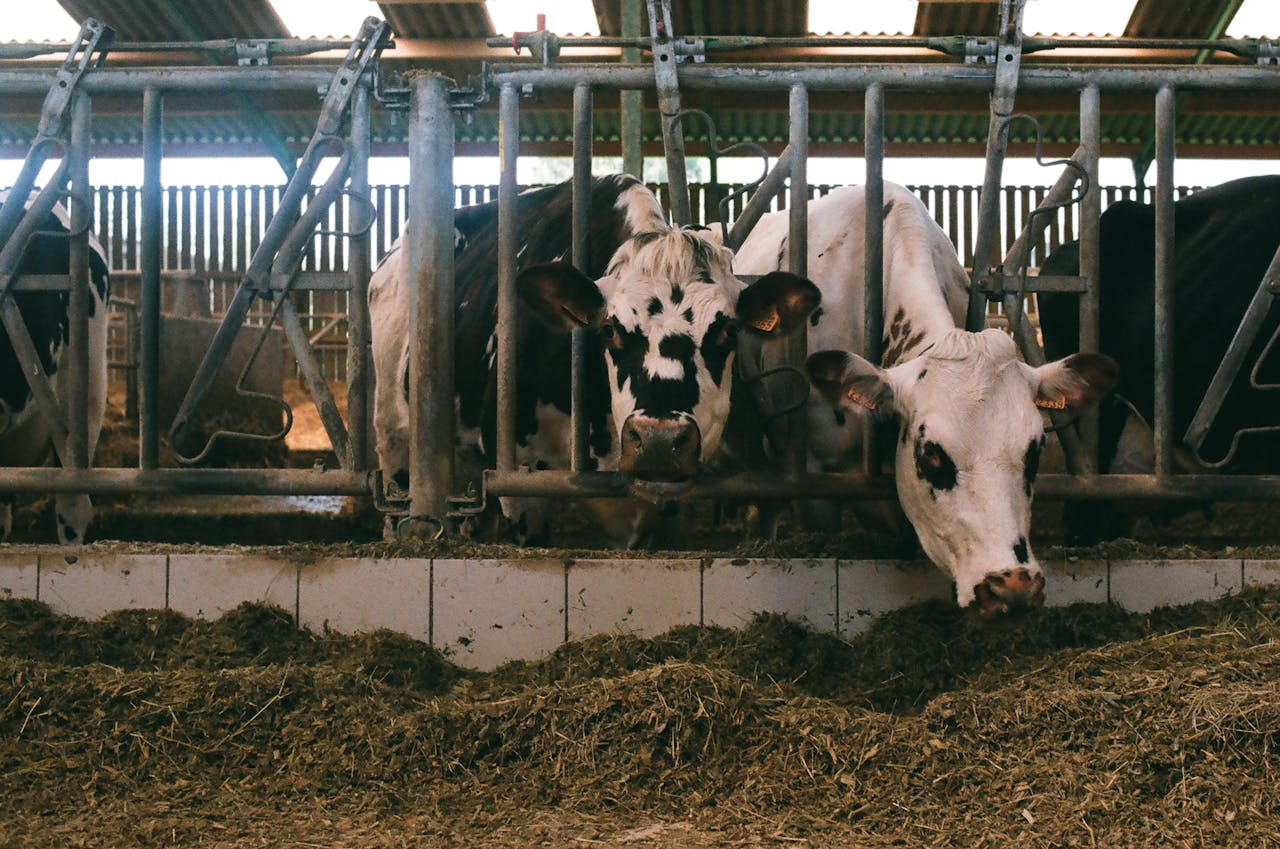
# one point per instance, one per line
(1077, 726)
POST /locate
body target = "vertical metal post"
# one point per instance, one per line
(632, 102)
(873, 247)
(668, 86)
(508, 152)
(797, 344)
(580, 453)
(152, 224)
(81, 217)
(1090, 259)
(358, 262)
(1166, 128)
(430, 255)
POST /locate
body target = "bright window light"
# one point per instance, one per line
(1256, 18)
(323, 18)
(40, 20)
(564, 17)
(1076, 17)
(886, 17)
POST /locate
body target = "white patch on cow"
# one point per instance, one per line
(976, 400)
(642, 210)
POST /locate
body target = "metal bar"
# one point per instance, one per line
(168, 481)
(313, 377)
(763, 196)
(80, 217)
(873, 248)
(667, 82)
(1050, 487)
(1255, 318)
(508, 155)
(1090, 262)
(580, 447)
(358, 267)
(796, 345)
(430, 257)
(1166, 120)
(632, 101)
(256, 79)
(149, 326)
(918, 78)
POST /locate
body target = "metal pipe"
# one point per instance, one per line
(174, 80)
(80, 215)
(761, 198)
(430, 258)
(358, 268)
(580, 446)
(1052, 487)
(797, 344)
(152, 229)
(632, 101)
(508, 155)
(1090, 261)
(196, 481)
(1166, 120)
(873, 250)
(928, 78)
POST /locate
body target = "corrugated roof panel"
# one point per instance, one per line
(722, 17)
(438, 20)
(159, 20)
(951, 18)
(1192, 19)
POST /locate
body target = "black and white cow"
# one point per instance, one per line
(969, 433)
(24, 432)
(664, 308)
(1225, 238)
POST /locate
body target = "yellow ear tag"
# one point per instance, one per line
(1059, 404)
(766, 323)
(858, 398)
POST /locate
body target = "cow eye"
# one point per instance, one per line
(610, 333)
(729, 334)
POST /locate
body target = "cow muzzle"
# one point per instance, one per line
(660, 457)
(1012, 591)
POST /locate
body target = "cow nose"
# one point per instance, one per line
(660, 449)
(1011, 591)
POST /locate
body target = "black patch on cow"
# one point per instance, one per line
(45, 313)
(815, 317)
(688, 316)
(888, 207)
(839, 417)
(1031, 465)
(657, 396)
(677, 294)
(717, 345)
(934, 465)
(1020, 550)
(923, 372)
(655, 306)
(676, 347)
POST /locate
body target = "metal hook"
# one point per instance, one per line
(713, 141)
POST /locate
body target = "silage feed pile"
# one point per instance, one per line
(1079, 726)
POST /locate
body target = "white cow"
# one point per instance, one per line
(24, 432)
(970, 433)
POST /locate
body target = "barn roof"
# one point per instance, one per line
(450, 37)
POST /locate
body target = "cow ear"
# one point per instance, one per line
(847, 380)
(777, 303)
(561, 296)
(1075, 382)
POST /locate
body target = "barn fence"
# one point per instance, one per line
(212, 231)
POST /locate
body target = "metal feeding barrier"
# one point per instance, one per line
(986, 64)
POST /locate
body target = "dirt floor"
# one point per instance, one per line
(1081, 726)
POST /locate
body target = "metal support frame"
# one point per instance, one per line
(582, 100)
(273, 269)
(667, 83)
(873, 251)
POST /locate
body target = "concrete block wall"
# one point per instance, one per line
(484, 612)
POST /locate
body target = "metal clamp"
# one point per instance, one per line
(252, 53)
(1268, 52)
(980, 50)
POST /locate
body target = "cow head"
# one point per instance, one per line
(666, 314)
(968, 449)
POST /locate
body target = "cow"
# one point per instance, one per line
(1224, 239)
(24, 433)
(968, 432)
(663, 308)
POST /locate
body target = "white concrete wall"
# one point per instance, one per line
(484, 612)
